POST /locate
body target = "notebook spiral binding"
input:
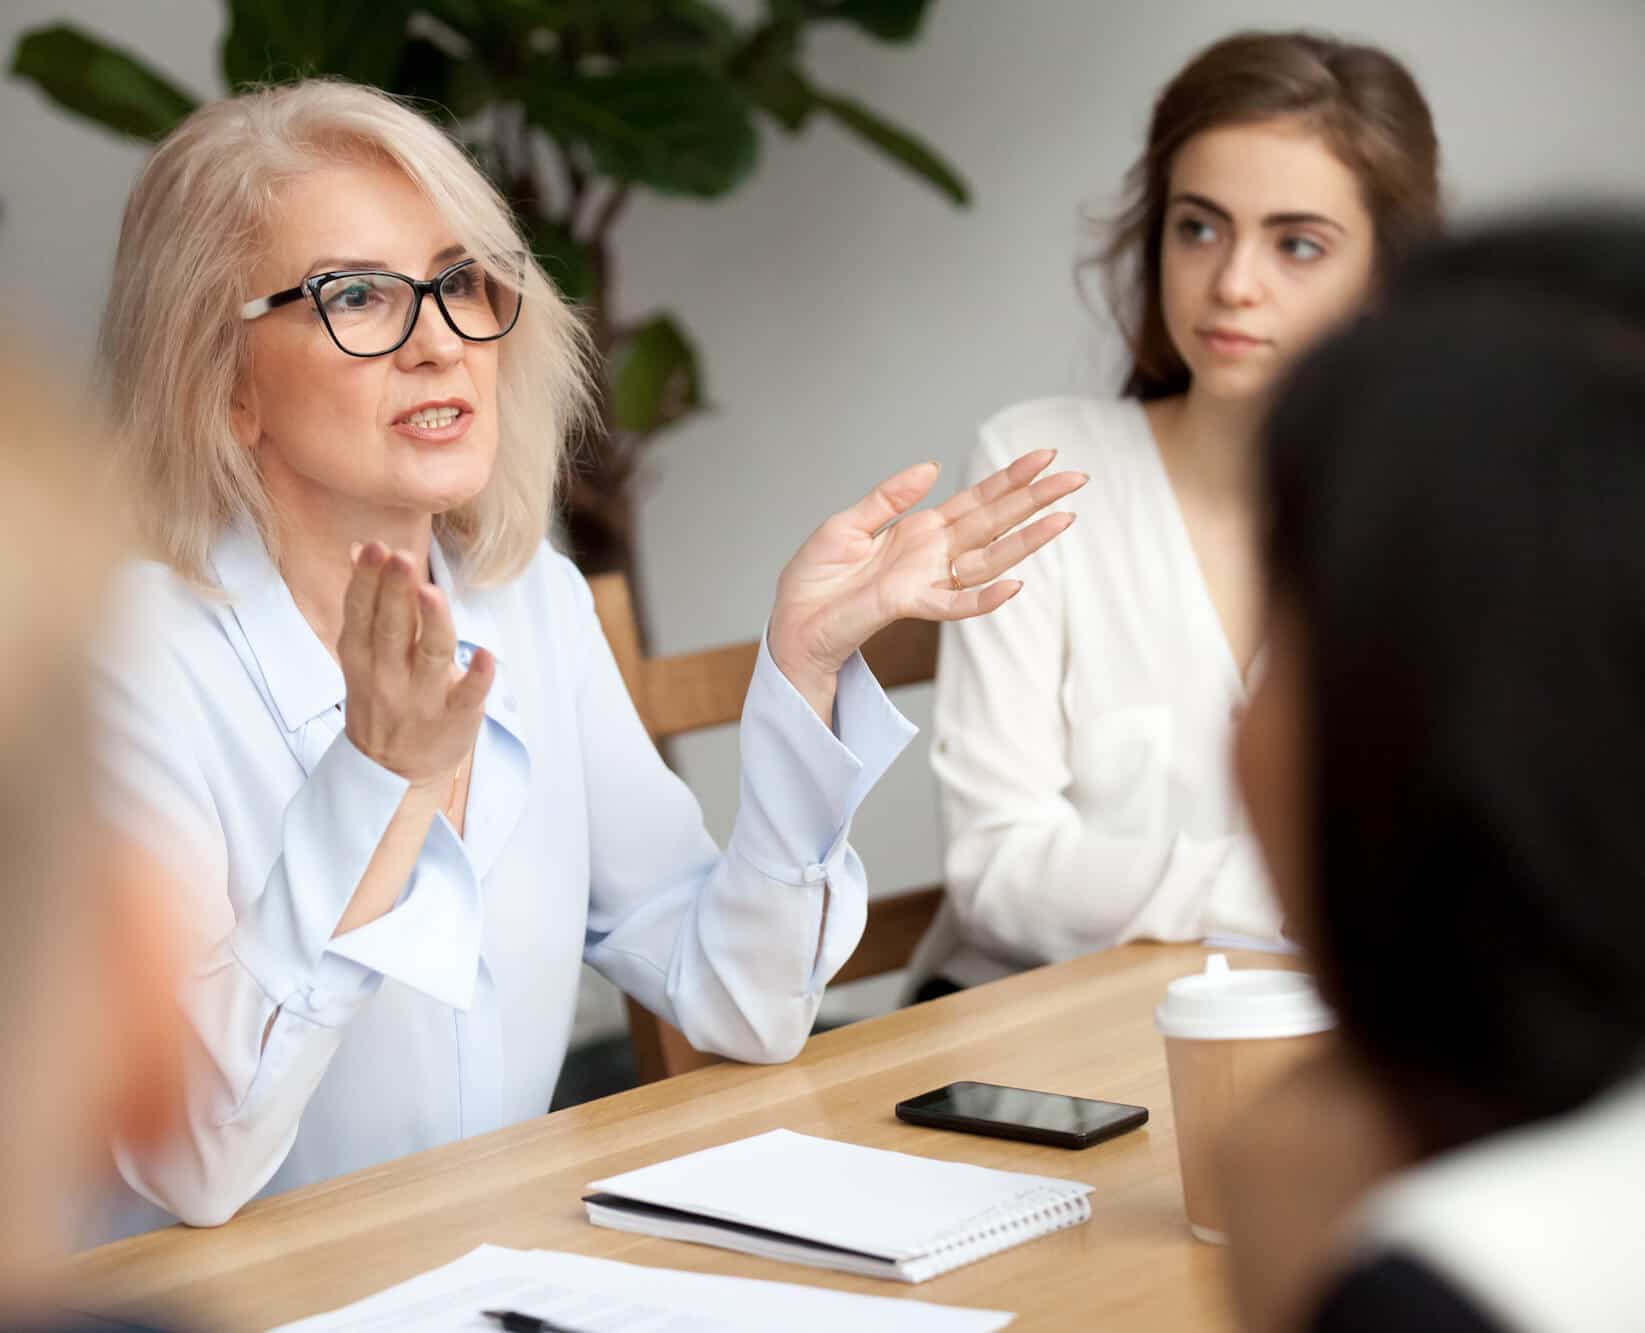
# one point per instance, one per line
(1038, 1212)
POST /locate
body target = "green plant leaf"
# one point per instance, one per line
(676, 127)
(654, 28)
(764, 69)
(701, 17)
(276, 40)
(656, 381)
(889, 20)
(897, 144)
(100, 82)
(784, 95)
(562, 258)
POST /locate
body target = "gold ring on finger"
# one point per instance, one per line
(954, 575)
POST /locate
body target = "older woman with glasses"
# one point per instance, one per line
(377, 725)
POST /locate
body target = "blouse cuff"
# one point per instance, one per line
(331, 831)
(430, 940)
(801, 782)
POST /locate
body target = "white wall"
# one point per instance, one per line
(851, 321)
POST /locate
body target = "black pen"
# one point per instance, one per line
(515, 1322)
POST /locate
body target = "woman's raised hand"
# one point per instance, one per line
(411, 709)
(877, 562)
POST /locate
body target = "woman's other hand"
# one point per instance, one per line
(877, 562)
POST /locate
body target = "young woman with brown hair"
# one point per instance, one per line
(1081, 738)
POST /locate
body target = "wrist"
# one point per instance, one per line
(420, 786)
(814, 682)
(799, 649)
(804, 672)
(422, 798)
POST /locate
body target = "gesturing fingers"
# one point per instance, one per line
(409, 709)
(468, 695)
(1012, 476)
(968, 602)
(984, 565)
(394, 627)
(436, 642)
(981, 525)
(894, 496)
(360, 603)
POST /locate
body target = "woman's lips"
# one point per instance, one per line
(436, 434)
(1226, 342)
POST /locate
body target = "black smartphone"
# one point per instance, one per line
(1019, 1113)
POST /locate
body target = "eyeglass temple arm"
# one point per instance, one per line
(263, 304)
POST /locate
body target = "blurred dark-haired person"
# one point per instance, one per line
(1081, 737)
(88, 965)
(1444, 765)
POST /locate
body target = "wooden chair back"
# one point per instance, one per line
(694, 691)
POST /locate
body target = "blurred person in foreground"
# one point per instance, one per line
(88, 962)
(1445, 765)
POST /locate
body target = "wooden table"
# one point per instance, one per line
(1083, 1027)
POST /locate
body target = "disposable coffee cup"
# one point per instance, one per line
(1228, 1032)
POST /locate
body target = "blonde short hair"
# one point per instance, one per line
(174, 346)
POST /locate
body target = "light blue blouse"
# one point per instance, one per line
(449, 1016)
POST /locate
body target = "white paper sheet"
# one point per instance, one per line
(603, 1296)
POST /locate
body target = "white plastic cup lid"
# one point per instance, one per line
(1223, 1003)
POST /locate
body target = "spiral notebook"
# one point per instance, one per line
(814, 1201)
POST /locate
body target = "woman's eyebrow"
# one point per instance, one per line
(1295, 218)
(1301, 219)
(330, 262)
(333, 262)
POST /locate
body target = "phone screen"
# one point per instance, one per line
(1052, 1112)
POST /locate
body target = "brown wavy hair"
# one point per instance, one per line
(1361, 101)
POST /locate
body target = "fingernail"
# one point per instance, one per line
(354, 552)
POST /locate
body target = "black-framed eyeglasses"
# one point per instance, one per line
(371, 312)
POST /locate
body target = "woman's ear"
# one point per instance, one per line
(244, 418)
